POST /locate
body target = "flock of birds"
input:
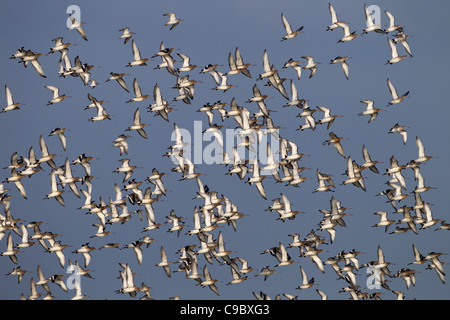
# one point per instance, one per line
(215, 210)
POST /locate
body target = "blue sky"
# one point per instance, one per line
(208, 32)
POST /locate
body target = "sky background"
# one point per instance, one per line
(208, 32)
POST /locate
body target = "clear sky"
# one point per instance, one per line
(209, 31)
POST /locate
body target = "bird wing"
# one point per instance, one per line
(238, 57)
(345, 27)
(137, 88)
(137, 117)
(344, 66)
(266, 64)
(37, 66)
(157, 95)
(163, 255)
(21, 189)
(393, 48)
(333, 14)
(9, 97)
(136, 52)
(420, 147)
(231, 62)
(366, 154)
(391, 19)
(380, 255)
(185, 58)
(392, 89)
(261, 190)
(286, 24)
(54, 90)
(369, 18)
(304, 276)
(122, 83)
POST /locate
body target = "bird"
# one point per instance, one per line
(126, 34)
(26, 243)
(59, 45)
(334, 18)
(268, 71)
(429, 220)
(164, 262)
(259, 99)
(257, 179)
(439, 273)
(126, 168)
(368, 162)
(173, 20)
(322, 179)
(353, 178)
(348, 35)
(240, 65)
(421, 187)
(32, 57)
(395, 56)
(102, 114)
(138, 60)
(322, 295)
(70, 179)
(395, 97)
(137, 125)
(15, 178)
(187, 66)
(221, 251)
(77, 25)
(10, 251)
(85, 250)
(176, 221)
(287, 27)
(311, 65)
(402, 38)
(136, 245)
(60, 133)
(370, 24)
(33, 294)
(401, 130)
(283, 258)
(327, 117)
(294, 101)
(343, 62)
(392, 26)
(294, 64)
(384, 221)
(42, 280)
(17, 271)
(306, 283)
(335, 140)
(138, 96)
(266, 272)
(10, 104)
(223, 82)
(56, 96)
(119, 78)
(237, 278)
(209, 281)
(422, 157)
(286, 212)
(370, 110)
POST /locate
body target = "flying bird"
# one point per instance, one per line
(287, 27)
